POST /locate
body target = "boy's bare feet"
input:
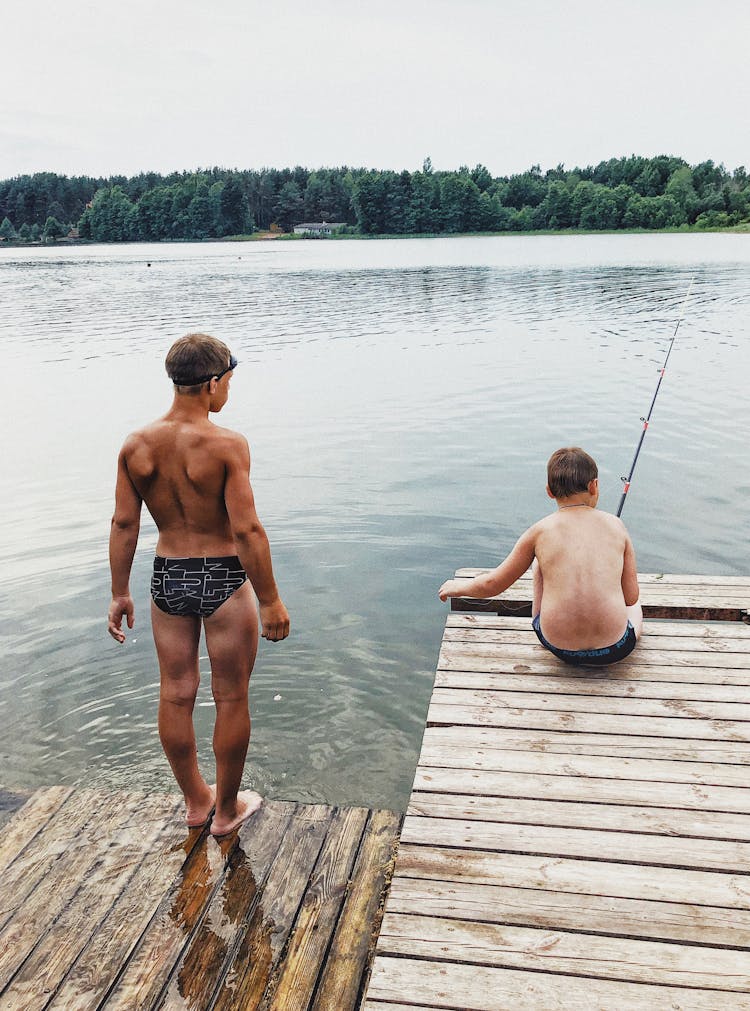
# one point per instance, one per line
(248, 802)
(198, 814)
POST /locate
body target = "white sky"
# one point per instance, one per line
(98, 86)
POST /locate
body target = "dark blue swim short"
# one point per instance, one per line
(195, 586)
(591, 657)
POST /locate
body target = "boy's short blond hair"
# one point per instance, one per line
(570, 470)
(194, 356)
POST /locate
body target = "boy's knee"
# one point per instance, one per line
(180, 691)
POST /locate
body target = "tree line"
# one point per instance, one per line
(634, 192)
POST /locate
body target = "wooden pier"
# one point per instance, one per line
(107, 901)
(579, 838)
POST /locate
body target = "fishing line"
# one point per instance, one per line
(627, 480)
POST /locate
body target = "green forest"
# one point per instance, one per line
(622, 193)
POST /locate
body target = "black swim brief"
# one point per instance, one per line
(195, 586)
(591, 657)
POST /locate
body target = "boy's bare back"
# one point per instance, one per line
(180, 471)
(587, 565)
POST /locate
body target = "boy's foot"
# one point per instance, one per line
(248, 802)
(198, 814)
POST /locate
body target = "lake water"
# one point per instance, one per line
(401, 399)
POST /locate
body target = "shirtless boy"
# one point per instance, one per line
(194, 478)
(585, 608)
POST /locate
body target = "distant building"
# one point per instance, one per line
(318, 228)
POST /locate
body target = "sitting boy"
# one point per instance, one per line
(585, 577)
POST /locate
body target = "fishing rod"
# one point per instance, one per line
(627, 480)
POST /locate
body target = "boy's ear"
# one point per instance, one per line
(594, 486)
(549, 493)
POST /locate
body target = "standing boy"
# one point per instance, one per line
(194, 478)
(585, 608)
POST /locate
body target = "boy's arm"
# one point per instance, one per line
(123, 537)
(251, 541)
(630, 589)
(491, 583)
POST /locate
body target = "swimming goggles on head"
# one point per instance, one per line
(184, 381)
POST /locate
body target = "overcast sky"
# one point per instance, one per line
(96, 87)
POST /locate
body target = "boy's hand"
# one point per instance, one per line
(274, 619)
(452, 588)
(121, 607)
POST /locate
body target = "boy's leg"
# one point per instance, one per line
(635, 617)
(176, 641)
(232, 641)
(536, 602)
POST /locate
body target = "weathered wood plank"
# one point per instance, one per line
(293, 988)
(561, 910)
(652, 641)
(252, 964)
(35, 861)
(554, 742)
(613, 817)
(606, 723)
(467, 656)
(167, 934)
(199, 971)
(460, 623)
(576, 788)
(627, 847)
(93, 973)
(580, 954)
(597, 877)
(616, 705)
(66, 936)
(41, 906)
(593, 687)
(540, 662)
(483, 988)
(341, 983)
(30, 820)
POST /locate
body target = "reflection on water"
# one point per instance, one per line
(401, 399)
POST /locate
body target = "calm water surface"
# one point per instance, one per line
(401, 399)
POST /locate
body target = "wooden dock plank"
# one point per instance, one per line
(607, 723)
(632, 847)
(583, 702)
(35, 861)
(199, 971)
(31, 819)
(480, 741)
(93, 973)
(593, 687)
(689, 796)
(612, 817)
(569, 874)
(256, 959)
(483, 988)
(47, 964)
(341, 984)
(581, 954)
(563, 910)
(293, 988)
(76, 858)
(472, 624)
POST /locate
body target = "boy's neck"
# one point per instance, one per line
(576, 501)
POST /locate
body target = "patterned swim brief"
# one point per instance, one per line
(195, 586)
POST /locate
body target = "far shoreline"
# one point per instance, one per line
(267, 236)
